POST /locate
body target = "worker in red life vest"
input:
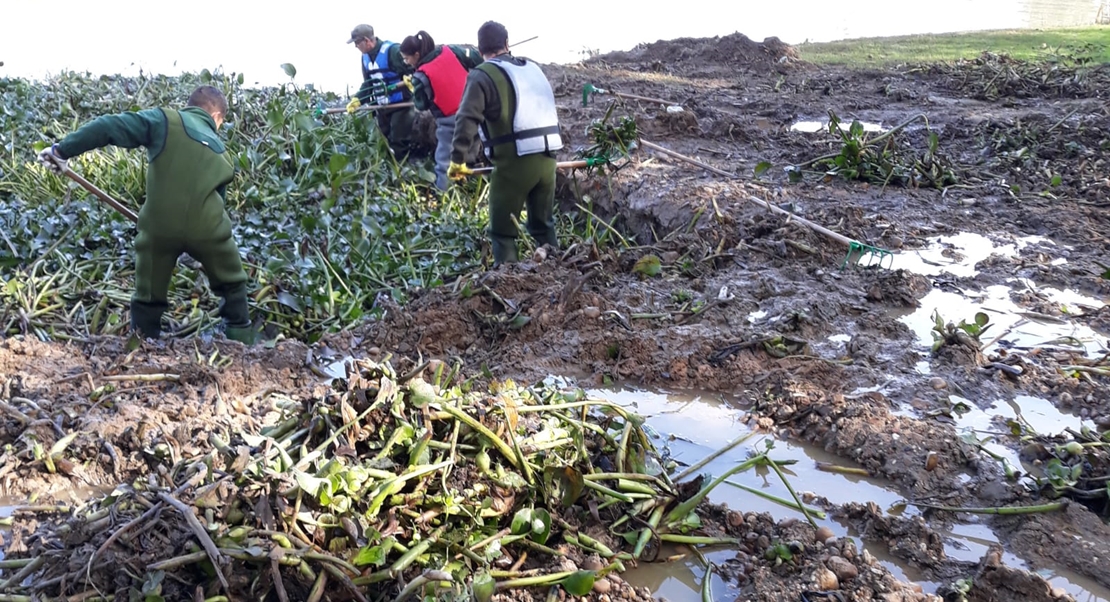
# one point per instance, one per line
(437, 86)
(382, 70)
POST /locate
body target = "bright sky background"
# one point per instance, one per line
(251, 37)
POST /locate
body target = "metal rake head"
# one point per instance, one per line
(867, 255)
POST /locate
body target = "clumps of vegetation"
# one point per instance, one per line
(610, 142)
(964, 334)
(330, 224)
(387, 480)
(1066, 72)
(326, 218)
(1076, 465)
(883, 159)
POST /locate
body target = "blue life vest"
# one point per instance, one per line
(378, 68)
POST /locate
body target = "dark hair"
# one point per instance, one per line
(492, 37)
(420, 43)
(208, 98)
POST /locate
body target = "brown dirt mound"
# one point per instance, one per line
(733, 50)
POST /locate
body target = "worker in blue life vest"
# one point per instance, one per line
(382, 70)
(437, 86)
(509, 103)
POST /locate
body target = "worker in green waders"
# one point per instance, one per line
(509, 103)
(189, 170)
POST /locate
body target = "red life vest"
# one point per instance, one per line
(448, 78)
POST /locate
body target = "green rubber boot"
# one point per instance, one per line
(245, 335)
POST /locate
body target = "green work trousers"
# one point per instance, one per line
(155, 259)
(516, 183)
(396, 125)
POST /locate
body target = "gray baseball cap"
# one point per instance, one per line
(361, 31)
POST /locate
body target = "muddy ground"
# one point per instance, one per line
(734, 277)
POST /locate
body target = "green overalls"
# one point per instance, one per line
(184, 210)
(516, 181)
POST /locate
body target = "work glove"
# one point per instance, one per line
(458, 171)
(52, 159)
(406, 81)
(353, 105)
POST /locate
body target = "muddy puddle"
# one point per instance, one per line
(812, 127)
(1011, 325)
(692, 426)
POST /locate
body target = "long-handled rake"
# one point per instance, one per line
(855, 247)
(589, 90)
(100, 194)
(322, 109)
(577, 164)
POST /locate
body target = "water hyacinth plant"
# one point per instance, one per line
(326, 218)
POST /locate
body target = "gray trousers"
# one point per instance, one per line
(445, 130)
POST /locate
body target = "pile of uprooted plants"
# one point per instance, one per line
(389, 486)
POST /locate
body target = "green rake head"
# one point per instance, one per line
(867, 255)
(589, 90)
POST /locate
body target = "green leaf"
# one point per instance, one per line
(483, 587)
(522, 522)
(519, 321)
(541, 526)
(289, 70)
(308, 483)
(239, 80)
(337, 163)
(305, 122)
(648, 265)
(290, 301)
(580, 583)
(371, 555)
(1057, 180)
(761, 167)
(982, 319)
(564, 482)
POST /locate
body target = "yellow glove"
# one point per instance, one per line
(353, 105)
(407, 81)
(458, 171)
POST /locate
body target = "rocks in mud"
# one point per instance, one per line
(825, 579)
(996, 581)
(824, 534)
(842, 568)
(938, 383)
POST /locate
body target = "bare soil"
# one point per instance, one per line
(694, 326)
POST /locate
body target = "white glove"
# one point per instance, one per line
(52, 159)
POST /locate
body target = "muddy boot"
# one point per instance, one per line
(246, 335)
(146, 318)
(504, 249)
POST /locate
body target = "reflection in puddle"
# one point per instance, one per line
(691, 427)
(1038, 413)
(681, 579)
(969, 248)
(1020, 327)
(812, 127)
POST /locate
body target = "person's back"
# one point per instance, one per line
(528, 122)
(186, 178)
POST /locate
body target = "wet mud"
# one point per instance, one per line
(748, 303)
